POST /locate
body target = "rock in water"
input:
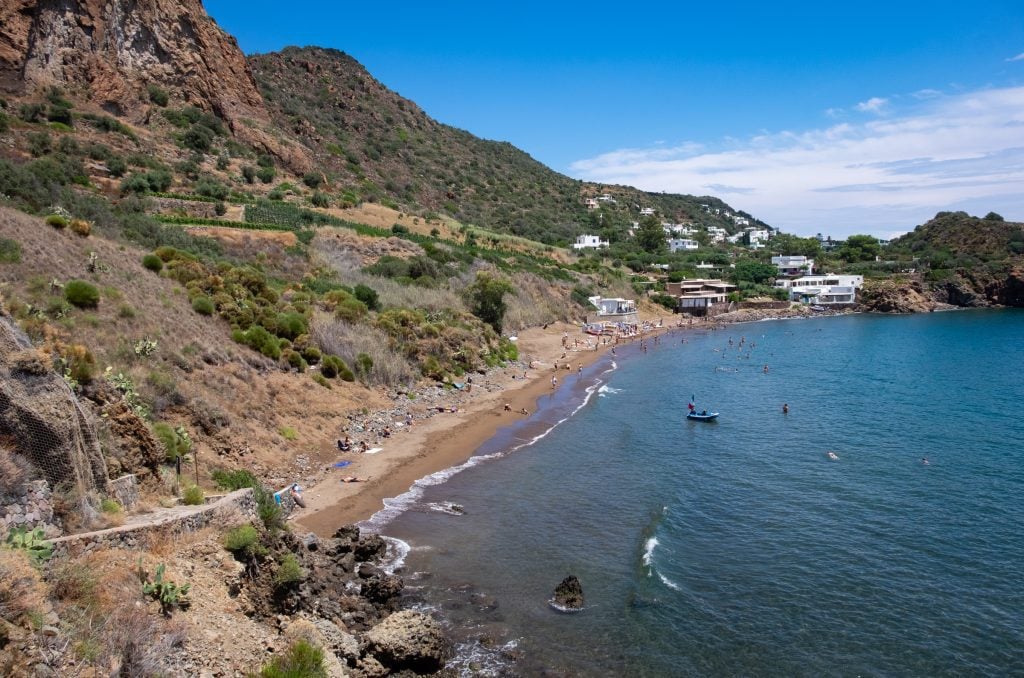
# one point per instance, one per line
(569, 594)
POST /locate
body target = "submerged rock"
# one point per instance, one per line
(569, 594)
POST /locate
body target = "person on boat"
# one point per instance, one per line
(785, 408)
(692, 408)
(703, 413)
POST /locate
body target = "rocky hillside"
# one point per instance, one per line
(121, 55)
(375, 145)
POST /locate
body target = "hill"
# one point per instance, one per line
(957, 239)
(375, 145)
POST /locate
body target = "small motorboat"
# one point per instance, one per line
(703, 416)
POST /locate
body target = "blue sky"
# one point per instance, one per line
(866, 117)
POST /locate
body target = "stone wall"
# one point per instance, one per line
(32, 509)
(191, 208)
(163, 523)
(125, 490)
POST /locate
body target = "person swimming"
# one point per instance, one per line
(832, 455)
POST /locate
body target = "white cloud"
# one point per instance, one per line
(872, 105)
(962, 151)
(1019, 57)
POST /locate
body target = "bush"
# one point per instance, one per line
(80, 227)
(234, 480)
(266, 174)
(211, 188)
(198, 138)
(57, 221)
(193, 496)
(313, 179)
(158, 95)
(110, 506)
(289, 572)
(176, 441)
(368, 296)
(117, 166)
(203, 306)
(303, 660)
(320, 199)
(39, 143)
(244, 542)
(249, 174)
(4, 123)
(153, 263)
(259, 339)
(10, 251)
(81, 294)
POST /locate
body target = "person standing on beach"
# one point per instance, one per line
(554, 382)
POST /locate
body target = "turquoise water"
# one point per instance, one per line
(739, 547)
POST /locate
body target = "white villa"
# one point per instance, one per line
(605, 197)
(647, 212)
(717, 233)
(592, 241)
(680, 244)
(741, 221)
(590, 203)
(791, 266)
(824, 290)
(701, 296)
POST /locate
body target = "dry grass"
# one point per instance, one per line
(22, 591)
(15, 472)
(348, 341)
(535, 302)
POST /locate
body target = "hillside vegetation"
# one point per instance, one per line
(375, 145)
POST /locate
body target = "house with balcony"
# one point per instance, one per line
(590, 203)
(682, 245)
(647, 212)
(701, 296)
(589, 241)
(823, 290)
(613, 310)
(793, 266)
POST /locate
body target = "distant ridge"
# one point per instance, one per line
(383, 145)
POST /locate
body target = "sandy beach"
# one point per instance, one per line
(445, 439)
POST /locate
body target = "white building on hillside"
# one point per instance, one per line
(647, 212)
(793, 265)
(717, 233)
(592, 241)
(824, 290)
(590, 203)
(681, 244)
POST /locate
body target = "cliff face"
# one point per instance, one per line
(109, 51)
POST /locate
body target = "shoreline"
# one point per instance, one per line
(438, 441)
(442, 440)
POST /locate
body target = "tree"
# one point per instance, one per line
(993, 216)
(753, 271)
(859, 248)
(487, 299)
(651, 236)
(792, 245)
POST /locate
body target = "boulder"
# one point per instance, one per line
(408, 640)
(382, 589)
(371, 549)
(347, 533)
(569, 594)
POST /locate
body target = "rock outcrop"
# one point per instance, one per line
(408, 640)
(569, 594)
(110, 51)
(44, 421)
(889, 296)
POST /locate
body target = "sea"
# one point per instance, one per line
(741, 547)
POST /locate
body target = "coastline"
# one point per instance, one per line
(441, 440)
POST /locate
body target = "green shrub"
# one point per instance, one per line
(33, 112)
(399, 229)
(153, 263)
(268, 510)
(313, 179)
(176, 441)
(10, 251)
(39, 143)
(157, 95)
(234, 480)
(259, 339)
(249, 174)
(320, 199)
(291, 325)
(110, 506)
(367, 295)
(4, 123)
(266, 175)
(170, 595)
(211, 188)
(303, 660)
(244, 543)
(364, 364)
(198, 138)
(203, 306)
(332, 366)
(322, 380)
(81, 294)
(117, 166)
(57, 221)
(289, 572)
(193, 496)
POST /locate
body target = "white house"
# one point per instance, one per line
(604, 197)
(590, 203)
(741, 221)
(679, 244)
(717, 233)
(585, 241)
(701, 296)
(678, 229)
(647, 212)
(828, 289)
(791, 266)
(613, 310)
